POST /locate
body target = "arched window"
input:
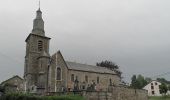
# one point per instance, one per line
(40, 45)
(72, 77)
(86, 78)
(58, 73)
(97, 80)
(110, 81)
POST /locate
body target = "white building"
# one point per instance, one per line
(153, 88)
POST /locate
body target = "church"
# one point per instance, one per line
(44, 73)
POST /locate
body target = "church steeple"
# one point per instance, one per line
(37, 57)
(38, 24)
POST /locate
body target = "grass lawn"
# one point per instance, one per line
(160, 98)
(33, 97)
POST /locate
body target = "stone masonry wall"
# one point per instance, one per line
(118, 93)
(122, 93)
(104, 79)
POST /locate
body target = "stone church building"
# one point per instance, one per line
(44, 73)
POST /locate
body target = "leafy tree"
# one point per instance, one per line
(110, 65)
(134, 83)
(142, 82)
(163, 80)
(138, 82)
(163, 88)
(148, 80)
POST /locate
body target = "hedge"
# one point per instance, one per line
(33, 97)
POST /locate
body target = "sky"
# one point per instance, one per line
(134, 34)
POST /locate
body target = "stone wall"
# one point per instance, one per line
(122, 93)
(98, 95)
(117, 93)
(104, 79)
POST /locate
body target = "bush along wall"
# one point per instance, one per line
(33, 97)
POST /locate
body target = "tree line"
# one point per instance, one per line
(139, 81)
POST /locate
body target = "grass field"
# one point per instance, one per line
(18, 96)
(160, 98)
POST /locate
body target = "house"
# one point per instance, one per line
(13, 84)
(153, 88)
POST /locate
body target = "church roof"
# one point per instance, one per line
(88, 68)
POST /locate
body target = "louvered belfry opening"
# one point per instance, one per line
(40, 45)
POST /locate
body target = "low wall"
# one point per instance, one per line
(117, 93)
(98, 95)
(122, 93)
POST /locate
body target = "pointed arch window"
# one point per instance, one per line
(40, 45)
(97, 80)
(58, 73)
(86, 79)
(72, 77)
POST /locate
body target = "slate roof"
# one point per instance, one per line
(89, 68)
(16, 76)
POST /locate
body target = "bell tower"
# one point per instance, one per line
(37, 57)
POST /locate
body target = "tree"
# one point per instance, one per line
(142, 82)
(148, 80)
(163, 80)
(134, 83)
(163, 88)
(138, 82)
(110, 65)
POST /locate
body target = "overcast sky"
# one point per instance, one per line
(135, 34)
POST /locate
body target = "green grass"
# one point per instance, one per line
(32, 97)
(160, 98)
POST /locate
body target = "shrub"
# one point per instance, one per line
(33, 97)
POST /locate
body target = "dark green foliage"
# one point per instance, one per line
(159, 97)
(163, 88)
(32, 97)
(110, 65)
(138, 82)
(163, 80)
(169, 87)
(134, 83)
(148, 80)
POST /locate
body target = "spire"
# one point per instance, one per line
(39, 13)
(39, 4)
(38, 24)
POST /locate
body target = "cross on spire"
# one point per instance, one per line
(39, 4)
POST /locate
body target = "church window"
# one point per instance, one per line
(72, 77)
(110, 81)
(40, 45)
(58, 73)
(76, 77)
(83, 87)
(86, 78)
(98, 80)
